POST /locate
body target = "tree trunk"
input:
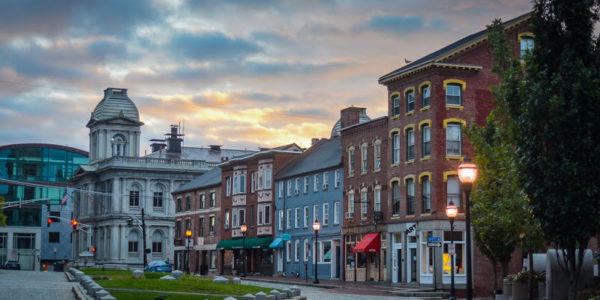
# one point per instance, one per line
(572, 271)
(531, 281)
(494, 265)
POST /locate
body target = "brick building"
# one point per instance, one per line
(249, 200)
(364, 148)
(429, 101)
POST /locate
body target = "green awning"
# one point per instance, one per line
(257, 242)
(327, 255)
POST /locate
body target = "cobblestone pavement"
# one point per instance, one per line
(34, 285)
(345, 293)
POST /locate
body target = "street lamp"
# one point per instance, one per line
(316, 227)
(244, 228)
(451, 212)
(188, 234)
(467, 173)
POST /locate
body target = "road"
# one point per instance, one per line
(34, 285)
(315, 293)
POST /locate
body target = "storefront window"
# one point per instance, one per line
(325, 254)
(459, 256)
(349, 257)
(426, 254)
(362, 260)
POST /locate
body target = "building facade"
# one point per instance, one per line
(198, 208)
(119, 190)
(249, 200)
(37, 175)
(365, 203)
(429, 103)
(310, 189)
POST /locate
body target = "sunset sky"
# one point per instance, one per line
(241, 74)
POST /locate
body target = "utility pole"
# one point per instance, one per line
(144, 237)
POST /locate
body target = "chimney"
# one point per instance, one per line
(314, 141)
(224, 159)
(174, 142)
(351, 115)
(215, 148)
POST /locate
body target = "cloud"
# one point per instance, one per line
(402, 25)
(212, 46)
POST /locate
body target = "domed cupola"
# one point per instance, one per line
(115, 104)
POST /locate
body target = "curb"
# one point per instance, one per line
(325, 286)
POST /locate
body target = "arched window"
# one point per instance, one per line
(133, 242)
(157, 196)
(134, 195)
(157, 242)
(119, 145)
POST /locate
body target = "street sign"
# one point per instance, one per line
(433, 239)
(434, 244)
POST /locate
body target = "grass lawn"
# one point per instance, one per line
(151, 296)
(193, 284)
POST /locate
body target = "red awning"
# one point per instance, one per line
(369, 243)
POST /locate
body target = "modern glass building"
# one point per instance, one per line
(33, 180)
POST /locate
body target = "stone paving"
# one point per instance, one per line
(35, 285)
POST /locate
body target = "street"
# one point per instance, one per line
(35, 285)
(315, 293)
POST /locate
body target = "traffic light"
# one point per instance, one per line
(74, 224)
(93, 249)
(49, 221)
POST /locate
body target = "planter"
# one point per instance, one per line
(520, 290)
(507, 288)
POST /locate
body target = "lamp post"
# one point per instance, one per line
(188, 234)
(142, 228)
(451, 212)
(316, 227)
(244, 228)
(467, 173)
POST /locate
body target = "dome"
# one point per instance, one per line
(115, 104)
(337, 128)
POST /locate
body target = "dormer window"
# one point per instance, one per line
(119, 145)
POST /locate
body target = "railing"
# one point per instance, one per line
(157, 162)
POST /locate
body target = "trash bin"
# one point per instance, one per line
(59, 267)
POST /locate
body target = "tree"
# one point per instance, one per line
(555, 106)
(2, 216)
(501, 217)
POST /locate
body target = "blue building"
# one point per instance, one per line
(308, 189)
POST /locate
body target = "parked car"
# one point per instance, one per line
(158, 266)
(11, 265)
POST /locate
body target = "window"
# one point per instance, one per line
(297, 189)
(251, 216)
(324, 248)
(453, 94)
(281, 220)
(377, 151)
(134, 196)
(315, 212)
(202, 200)
(201, 227)
(316, 187)
(56, 215)
(297, 217)
(157, 197)
(351, 203)
(410, 196)
(425, 96)
(253, 182)
(425, 140)
(281, 189)
(336, 178)
(453, 139)
(453, 191)
(268, 178)
(305, 184)
(211, 225)
(157, 242)
(237, 217)
(118, 145)
(289, 187)
(188, 203)
(395, 148)
(178, 230)
(226, 219)
(395, 105)
(297, 250)
(459, 256)
(363, 156)
(410, 144)
(178, 204)
(427, 253)
(288, 223)
(527, 44)
(363, 204)
(325, 180)
(188, 224)
(426, 193)
(288, 248)
(213, 259)
(351, 162)
(306, 217)
(395, 198)
(325, 214)
(377, 205)
(239, 184)
(132, 245)
(336, 213)
(227, 186)
(410, 101)
(264, 214)
(53, 237)
(306, 249)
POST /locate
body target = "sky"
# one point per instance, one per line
(241, 74)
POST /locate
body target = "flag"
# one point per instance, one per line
(64, 199)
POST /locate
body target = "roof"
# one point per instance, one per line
(210, 178)
(206, 154)
(448, 51)
(364, 123)
(323, 155)
(115, 104)
(43, 145)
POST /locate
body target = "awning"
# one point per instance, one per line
(257, 242)
(369, 243)
(327, 255)
(277, 243)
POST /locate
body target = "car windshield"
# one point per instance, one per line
(157, 263)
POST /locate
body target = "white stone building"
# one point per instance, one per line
(111, 192)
